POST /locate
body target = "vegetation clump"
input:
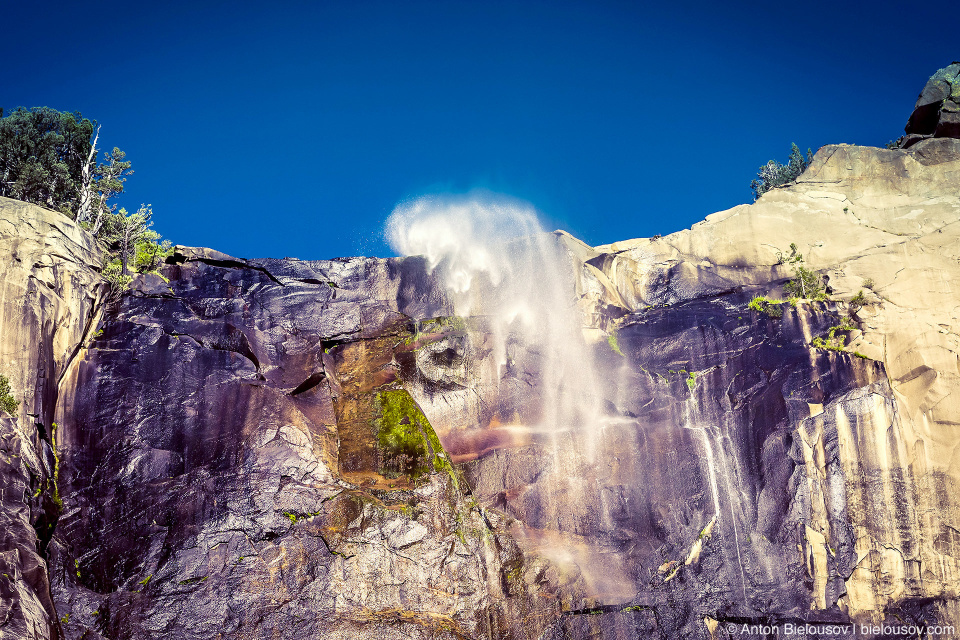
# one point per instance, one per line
(806, 283)
(768, 306)
(49, 158)
(43, 153)
(133, 246)
(836, 336)
(57, 500)
(7, 402)
(856, 302)
(409, 444)
(773, 174)
(614, 344)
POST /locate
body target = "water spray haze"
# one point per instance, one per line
(496, 261)
(466, 236)
(531, 368)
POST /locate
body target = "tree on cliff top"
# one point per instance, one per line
(773, 174)
(42, 155)
(102, 183)
(133, 245)
(48, 157)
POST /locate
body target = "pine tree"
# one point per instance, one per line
(123, 231)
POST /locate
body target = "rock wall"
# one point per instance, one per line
(239, 459)
(881, 222)
(262, 448)
(49, 301)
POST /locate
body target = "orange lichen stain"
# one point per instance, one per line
(426, 619)
(373, 481)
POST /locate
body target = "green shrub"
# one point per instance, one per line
(857, 301)
(7, 402)
(773, 174)
(772, 308)
(614, 345)
(113, 273)
(834, 342)
(806, 284)
(150, 252)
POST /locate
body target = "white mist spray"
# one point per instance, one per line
(496, 261)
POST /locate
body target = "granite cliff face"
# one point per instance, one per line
(884, 456)
(280, 448)
(50, 301)
(239, 459)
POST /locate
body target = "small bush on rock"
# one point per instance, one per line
(806, 284)
(767, 306)
(7, 402)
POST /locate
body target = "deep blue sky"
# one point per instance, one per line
(293, 128)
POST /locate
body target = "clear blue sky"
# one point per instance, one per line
(293, 128)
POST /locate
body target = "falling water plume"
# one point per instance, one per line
(499, 268)
(496, 261)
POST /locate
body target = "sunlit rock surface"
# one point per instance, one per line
(279, 448)
(884, 222)
(49, 298)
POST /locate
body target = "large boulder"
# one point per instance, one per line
(937, 112)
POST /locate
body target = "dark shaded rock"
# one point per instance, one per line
(937, 111)
(934, 151)
(26, 514)
(239, 459)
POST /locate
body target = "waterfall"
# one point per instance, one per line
(496, 262)
(502, 271)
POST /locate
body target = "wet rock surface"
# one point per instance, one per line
(240, 460)
(718, 460)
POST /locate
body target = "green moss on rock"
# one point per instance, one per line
(407, 441)
(614, 344)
